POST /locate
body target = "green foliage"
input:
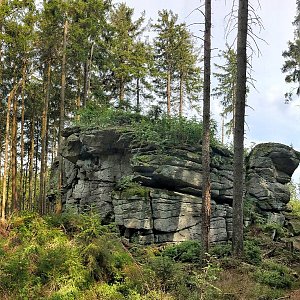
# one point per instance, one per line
(274, 229)
(130, 188)
(221, 250)
(274, 275)
(188, 251)
(162, 132)
(204, 280)
(64, 257)
(95, 115)
(294, 205)
(252, 252)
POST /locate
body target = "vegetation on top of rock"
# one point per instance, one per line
(159, 130)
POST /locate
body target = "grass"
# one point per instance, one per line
(162, 131)
(66, 257)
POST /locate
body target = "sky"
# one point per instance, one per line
(268, 119)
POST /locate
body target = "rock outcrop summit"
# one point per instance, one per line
(154, 196)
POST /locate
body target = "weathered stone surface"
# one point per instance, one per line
(269, 167)
(170, 209)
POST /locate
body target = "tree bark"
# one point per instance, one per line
(6, 153)
(34, 202)
(62, 117)
(206, 193)
(239, 121)
(44, 130)
(22, 135)
(87, 76)
(31, 162)
(138, 94)
(14, 171)
(181, 95)
(169, 93)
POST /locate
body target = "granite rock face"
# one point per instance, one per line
(161, 201)
(270, 167)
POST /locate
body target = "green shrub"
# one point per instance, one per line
(220, 250)
(95, 115)
(294, 205)
(274, 275)
(275, 230)
(163, 132)
(188, 251)
(168, 131)
(252, 253)
(164, 268)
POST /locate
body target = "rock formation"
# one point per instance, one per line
(155, 196)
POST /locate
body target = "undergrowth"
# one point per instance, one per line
(65, 257)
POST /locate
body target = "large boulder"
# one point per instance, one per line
(155, 195)
(270, 167)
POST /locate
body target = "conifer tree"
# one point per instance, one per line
(292, 59)
(127, 54)
(238, 157)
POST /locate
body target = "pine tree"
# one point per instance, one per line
(239, 119)
(206, 192)
(165, 45)
(177, 75)
(292, 59)
(127, 55)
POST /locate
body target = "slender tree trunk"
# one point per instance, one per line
(90, 68)
(138, 90)
(181, 94)
(223, 130)
(31, 162)
(238, 158)
(54, 148)
(22, 133)
(87, 73)
(61, 118)
(169, 93)
(14, 194)
(206, 193)
(6, 153)
(43, 137)
(34, 202)
(24, 203)
(233, 107)
(85, 82)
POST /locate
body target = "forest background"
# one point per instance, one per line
(57, 57)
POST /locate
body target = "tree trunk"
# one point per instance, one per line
(14, 171)
(169, 93)
(206, 193)
(22, 135)
(181, 94)
(6, 153)
(87, 75)
(30, 162)
(138, 90)
(62, 117)
(223, 130)
(34, 202)
(44, 130)
(239, 120)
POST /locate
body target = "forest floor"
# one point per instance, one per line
(71, 257)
